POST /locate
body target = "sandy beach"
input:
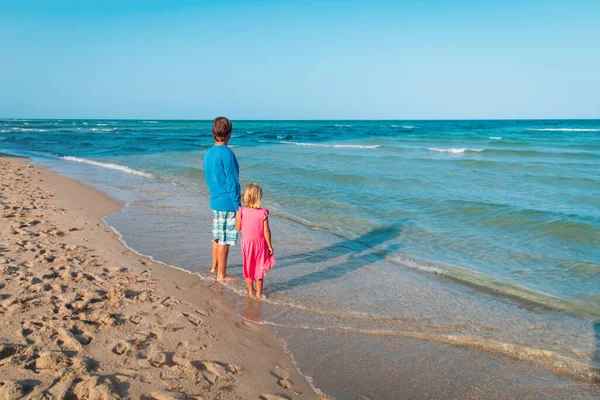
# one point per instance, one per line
(84, 317)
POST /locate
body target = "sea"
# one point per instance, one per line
(414, 257)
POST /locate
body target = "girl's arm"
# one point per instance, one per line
(238, 221)
(268, 235)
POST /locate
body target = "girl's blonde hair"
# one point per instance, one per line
(252, 196)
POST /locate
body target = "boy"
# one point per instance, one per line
(222, 178)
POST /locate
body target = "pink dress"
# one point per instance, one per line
(255, 251)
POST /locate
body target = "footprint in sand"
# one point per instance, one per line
(283, 377)
(192, 319)
(245, 326)
(80, 335)
(156, 358)
(16, 390)
(213, 371)
(274, 397)
(120, 348)
(51, 361)
(9, 350)
(170, 301)
(161, 396)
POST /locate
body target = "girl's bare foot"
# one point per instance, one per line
(225, 278)
(213, 270)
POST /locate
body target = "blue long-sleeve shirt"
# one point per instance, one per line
(222, 178)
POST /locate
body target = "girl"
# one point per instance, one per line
(257, 252)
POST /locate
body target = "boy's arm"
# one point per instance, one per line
(232, 179)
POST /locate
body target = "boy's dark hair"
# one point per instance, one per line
(221, 129)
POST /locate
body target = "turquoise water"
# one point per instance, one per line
(488, 230)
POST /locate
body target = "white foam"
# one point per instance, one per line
(342, 126)
(496, 137)
(416, 265)
(29, 130)
(408, 126)
(117, 167)
(337, 146)
(101, 125)
(150, 122)
(453, 150)
(108, 129)
(564, 129)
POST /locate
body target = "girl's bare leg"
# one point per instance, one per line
(250, 286)
(259, 286)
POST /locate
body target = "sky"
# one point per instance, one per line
(352, 59)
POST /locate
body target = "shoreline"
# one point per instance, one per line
(87, 315)
(486, 284)
(471, 359)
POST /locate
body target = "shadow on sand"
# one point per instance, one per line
(358, 253)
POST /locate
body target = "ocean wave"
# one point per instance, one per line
(342, 126)
(337, 146)
(547, 359)
(30, 130)
(564, 129)
(101, 124)
(453, 150)
(150, 122)
(487, 284)
(496, 137)
(117, 167)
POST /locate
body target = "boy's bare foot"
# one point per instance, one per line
(225, 278)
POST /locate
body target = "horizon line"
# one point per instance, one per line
(303, 119)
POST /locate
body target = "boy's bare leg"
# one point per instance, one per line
(215, 245)
(259, 285)
(250, 286)
(222, 253)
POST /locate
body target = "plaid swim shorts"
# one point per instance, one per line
(224, 227)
